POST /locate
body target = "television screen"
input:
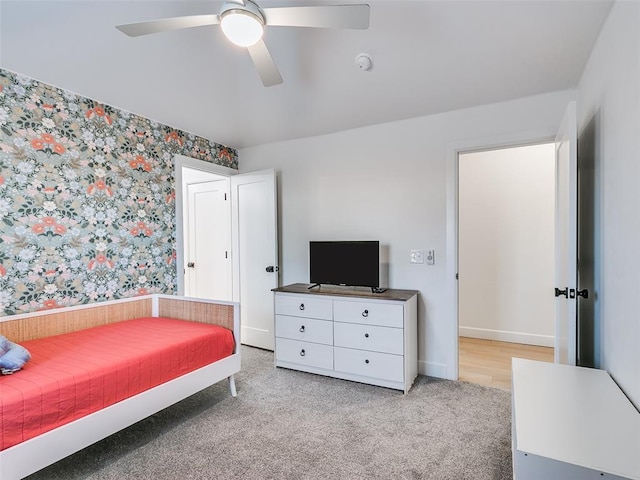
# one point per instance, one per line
(345, 263)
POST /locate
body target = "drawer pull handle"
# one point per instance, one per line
(302, 329)
(365, 313)
(303, 353)
(366, 361)
(301, 306)
(366, 335)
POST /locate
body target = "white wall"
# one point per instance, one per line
(506, 244)
(390, 182)
(609, 100)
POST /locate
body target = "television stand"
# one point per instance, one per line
(313, 286)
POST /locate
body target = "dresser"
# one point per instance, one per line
(349, 334)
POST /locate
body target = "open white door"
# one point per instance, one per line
(566, 237)
(208, 241)
(255, 257)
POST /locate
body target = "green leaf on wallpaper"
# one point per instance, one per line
(7, 221)
(6, 131)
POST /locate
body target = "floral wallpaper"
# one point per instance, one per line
(87, 198)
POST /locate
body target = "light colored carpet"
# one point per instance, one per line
(292, 425)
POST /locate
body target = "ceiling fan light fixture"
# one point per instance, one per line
(242, 24)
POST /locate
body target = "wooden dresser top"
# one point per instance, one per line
(362, 292)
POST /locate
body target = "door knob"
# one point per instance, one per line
(272, 269)
(191, 265)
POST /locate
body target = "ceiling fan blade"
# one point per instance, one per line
(166, 24)
(330, 16)
(265, 65)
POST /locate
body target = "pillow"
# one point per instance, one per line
(4, 345)
(14, 358)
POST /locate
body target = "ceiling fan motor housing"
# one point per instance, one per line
(249, 8)
(242, 24)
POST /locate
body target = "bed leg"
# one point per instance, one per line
(232, 385)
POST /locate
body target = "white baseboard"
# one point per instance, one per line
(431, 369)
(506, 336)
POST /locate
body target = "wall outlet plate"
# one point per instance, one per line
(431, 257)
(416, 256)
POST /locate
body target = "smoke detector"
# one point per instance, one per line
(364, 62)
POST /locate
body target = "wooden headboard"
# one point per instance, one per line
(197, 311)
(53, 322)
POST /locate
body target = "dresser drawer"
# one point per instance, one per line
(304, 329)
(304, 306)
(304, 353)
(369, 364)
(383, 314)
(369, 337)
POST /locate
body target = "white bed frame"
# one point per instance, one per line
(32, 455)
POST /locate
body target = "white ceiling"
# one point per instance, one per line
(429, 57)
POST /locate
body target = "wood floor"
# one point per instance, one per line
(488, 362)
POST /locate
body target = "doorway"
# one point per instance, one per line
(506, 211)
(244, 233)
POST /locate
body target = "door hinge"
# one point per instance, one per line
(226, 254)
(456, 276)
(225, 196)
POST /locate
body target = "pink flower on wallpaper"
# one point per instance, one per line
(100, 260)
(141, 228)
(99, 185)
(49, 304)
(173, 137)
(225, 154)
(99, 112)
(140, 162)
(48, 225)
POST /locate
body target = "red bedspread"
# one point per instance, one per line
(73, 375)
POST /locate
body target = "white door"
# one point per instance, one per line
(255, 258)
(566, 238)
(208, 241)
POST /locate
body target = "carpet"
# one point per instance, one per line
(292, 425)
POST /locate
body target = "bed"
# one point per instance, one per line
(85, 382)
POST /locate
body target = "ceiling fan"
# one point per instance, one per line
(243, 23)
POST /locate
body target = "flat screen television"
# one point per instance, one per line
(352, 263)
